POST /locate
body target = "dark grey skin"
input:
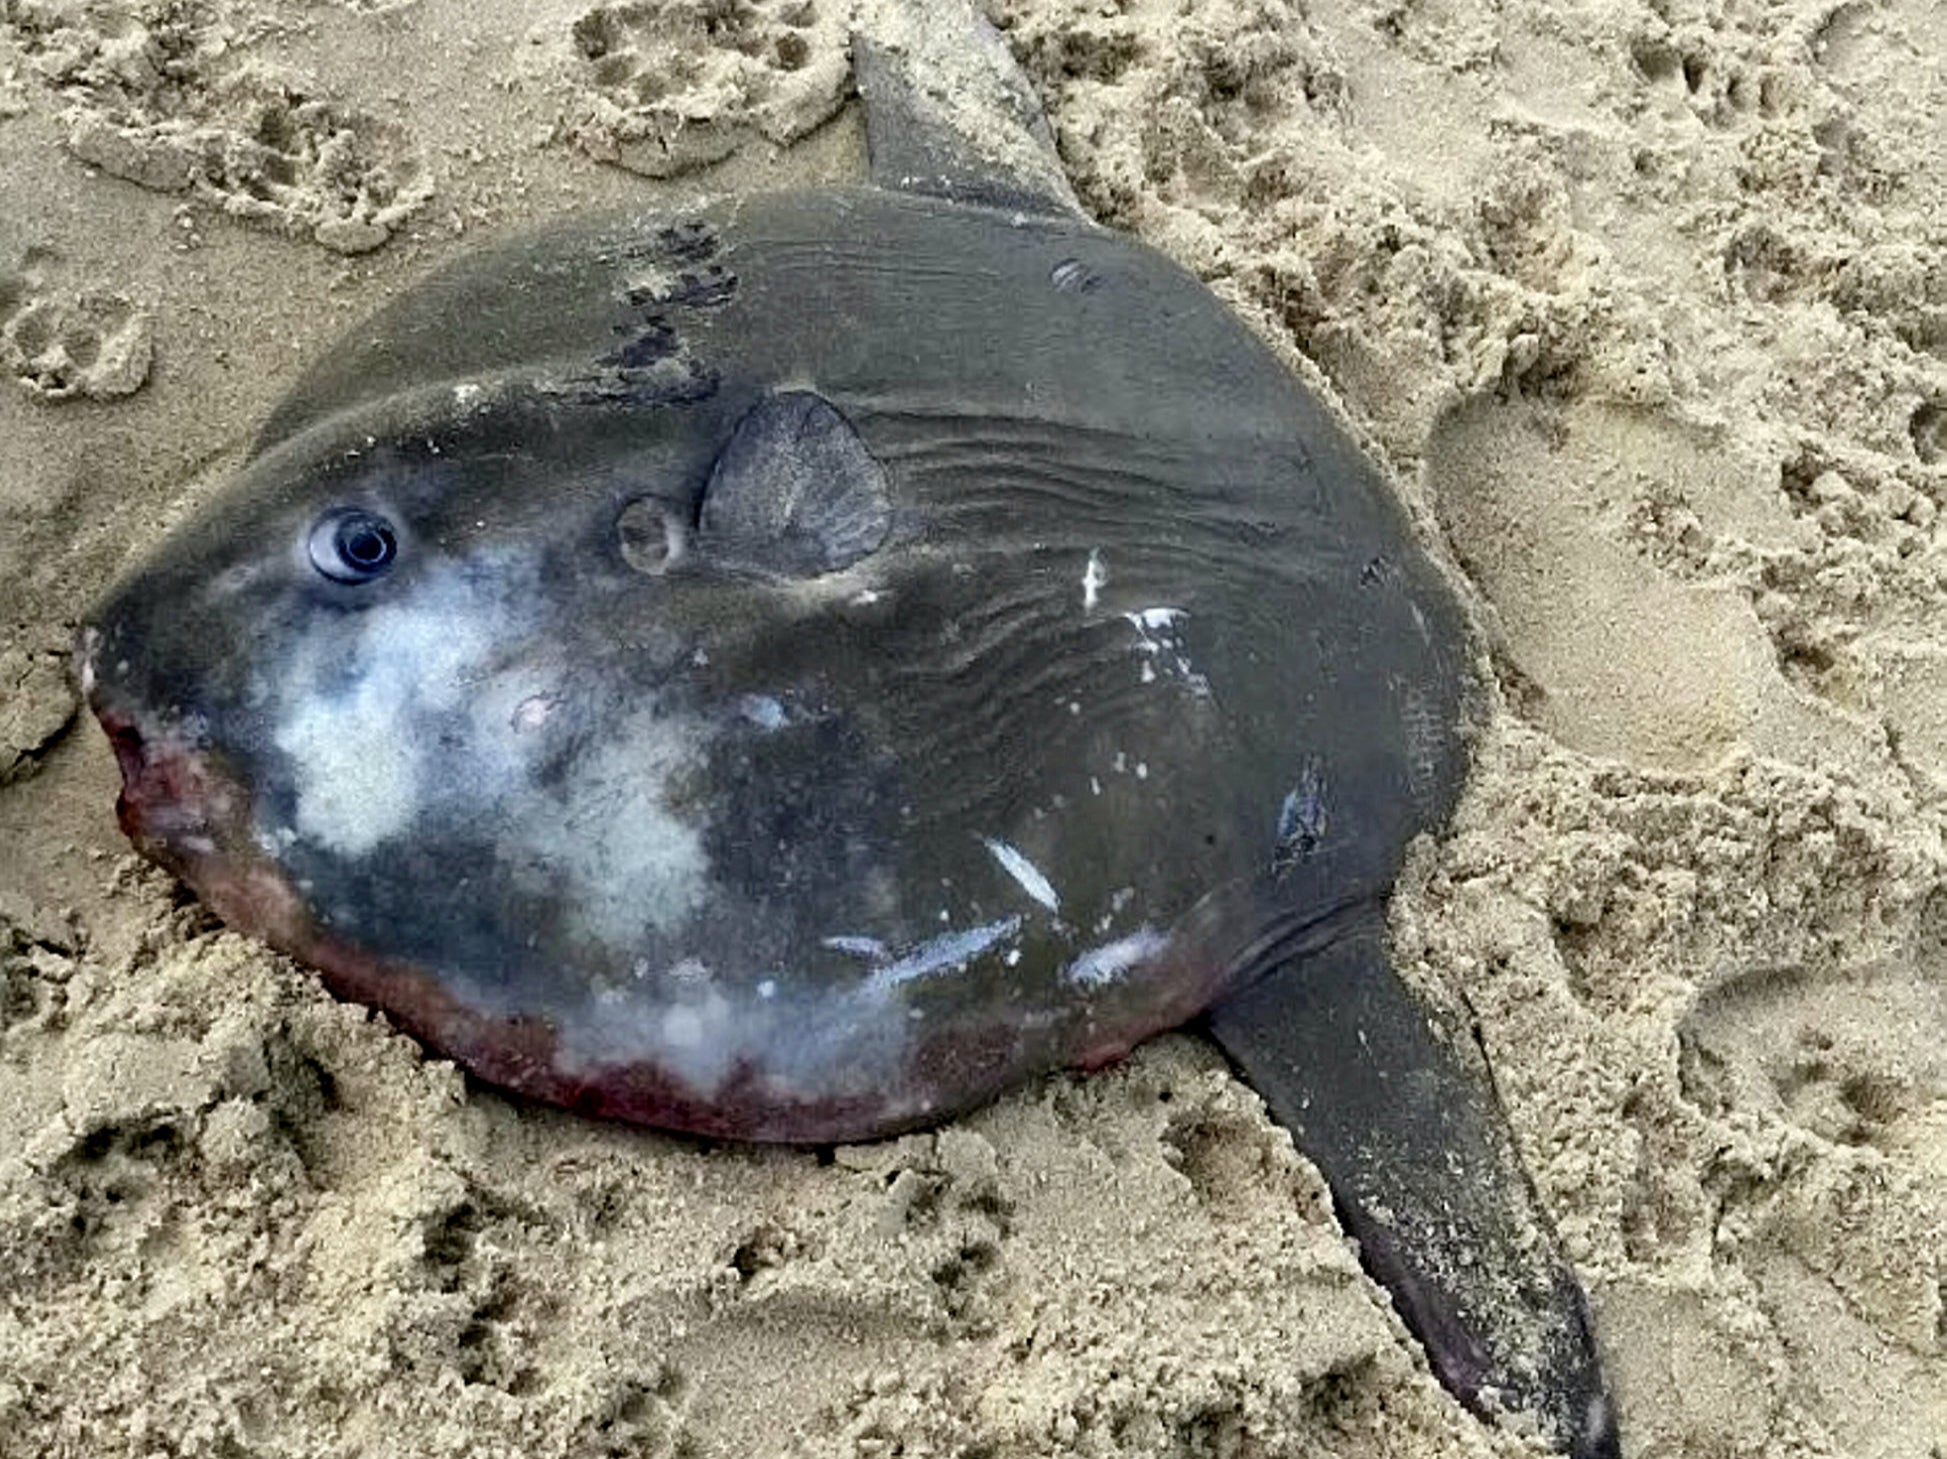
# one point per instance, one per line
(793, 669)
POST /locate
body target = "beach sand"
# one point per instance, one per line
(1643, 305)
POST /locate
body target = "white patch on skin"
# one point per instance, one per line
(698, 1037)
(948, 952)
(1596, 1418)
(763, 711)
(1159, 637)
(355, 788)
(814, 1041)
(348, 708)
(422, 708)
(351, 708)
(1110, 962)
(239, 578)
(1094, 577)
(689, 972)
(630, 864)
(1025, 872)
(1117, 903)
(276, 839)
(683, 1027)
(532, 712)
(1155, 619)
(817, 1040)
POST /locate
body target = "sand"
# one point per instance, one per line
(1644, 305)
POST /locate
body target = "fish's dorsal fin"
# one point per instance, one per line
(794, 491)
(948, 112)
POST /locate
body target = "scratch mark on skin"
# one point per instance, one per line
(1426, 738)
(1094, 576)
(867, 947)
(1105, 964)
(1159, 638)
(947, 952)
(1025, 872)
(1302, 819)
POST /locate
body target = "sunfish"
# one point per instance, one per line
(795, 667)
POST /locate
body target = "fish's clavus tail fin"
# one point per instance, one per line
(1406, 1129)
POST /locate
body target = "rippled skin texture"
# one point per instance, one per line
(844, 653)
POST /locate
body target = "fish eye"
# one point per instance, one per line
(353, 545)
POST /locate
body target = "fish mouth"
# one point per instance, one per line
(175, 805)
(183, 809)
(167, 800)
(170, 805)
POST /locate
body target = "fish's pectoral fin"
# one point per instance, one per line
(794, 490)
(1408, 1134)
(948, 112)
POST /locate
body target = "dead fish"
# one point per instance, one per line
(795, 668)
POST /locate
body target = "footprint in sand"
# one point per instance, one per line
(663, 90)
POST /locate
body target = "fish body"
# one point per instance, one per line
(842, 652)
